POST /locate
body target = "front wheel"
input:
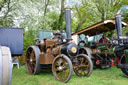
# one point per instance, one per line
(83, 66)
(62, 68)
(124, 70)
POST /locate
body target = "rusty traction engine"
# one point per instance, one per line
(61, 56)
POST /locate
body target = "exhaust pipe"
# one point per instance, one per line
(68, 23)
(118, 26)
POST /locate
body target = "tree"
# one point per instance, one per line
(60, 20)
(6, 6)
(100, 10)
(34, 15)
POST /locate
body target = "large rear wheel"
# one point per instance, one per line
(33, 60)
(62, 68)
(83, 66)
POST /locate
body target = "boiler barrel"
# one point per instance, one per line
(69, 49)
(5, 66)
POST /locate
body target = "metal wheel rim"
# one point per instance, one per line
(83, 66)
(124, 70)
(62, 68)
(32, 60)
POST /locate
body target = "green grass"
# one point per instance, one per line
(112, 76)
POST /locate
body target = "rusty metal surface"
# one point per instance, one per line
(62, 68)
(42, 46)
(100, 27)
(56, 51)
(32, 60)
(83, 66)
(46, 58)
(50, 43)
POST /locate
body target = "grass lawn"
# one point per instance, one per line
(112, 76)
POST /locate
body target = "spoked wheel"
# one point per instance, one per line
(62, 68)
(32, 60)
(83, 66)
(124, 70)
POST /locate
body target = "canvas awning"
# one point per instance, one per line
(100, 27)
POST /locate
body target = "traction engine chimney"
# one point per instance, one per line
(68, 23)
(68, 19)
(118, 26)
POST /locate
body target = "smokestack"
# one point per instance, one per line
(118, 26)
(68, 23)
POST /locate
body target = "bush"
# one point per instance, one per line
(29, 37)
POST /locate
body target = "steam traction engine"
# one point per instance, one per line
(62, 56)
(121, 49)
(117, 49)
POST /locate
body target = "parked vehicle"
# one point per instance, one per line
(58, 54)
(108, 52)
